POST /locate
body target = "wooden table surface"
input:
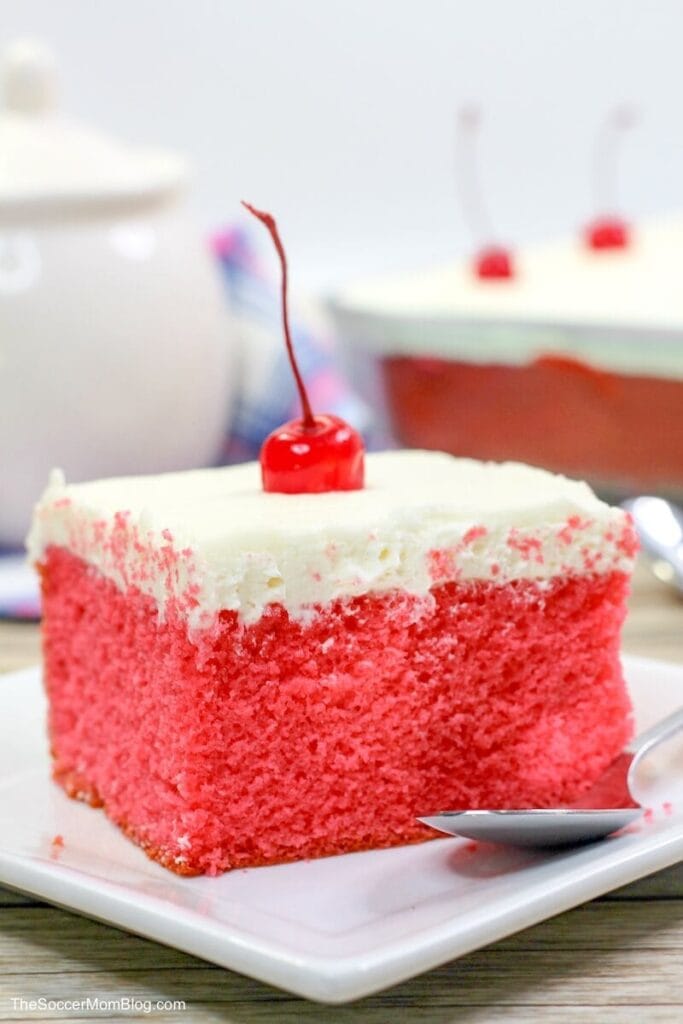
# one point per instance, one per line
(617, 959)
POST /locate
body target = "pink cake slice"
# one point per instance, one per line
(242, 678)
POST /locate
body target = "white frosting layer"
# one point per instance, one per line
(620, 308)
(208, 540)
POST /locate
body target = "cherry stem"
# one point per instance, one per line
(269, 221)
(468, 177)
(608, 145)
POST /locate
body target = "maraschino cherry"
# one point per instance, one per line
(609, 231)
(319, 452)
(494, 263)
(491, 262)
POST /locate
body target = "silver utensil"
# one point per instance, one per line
(627, 782)
(659, 525)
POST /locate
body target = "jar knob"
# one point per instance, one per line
(29, 77)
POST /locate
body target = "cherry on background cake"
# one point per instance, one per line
(268, 662)
(243, 677)
(574, 361)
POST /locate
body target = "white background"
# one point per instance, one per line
(338, 115)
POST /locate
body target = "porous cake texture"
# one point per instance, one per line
(243, 678)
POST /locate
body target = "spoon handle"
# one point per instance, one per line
(659, 731)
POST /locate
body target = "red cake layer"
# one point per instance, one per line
(242, 746)
(555, 412)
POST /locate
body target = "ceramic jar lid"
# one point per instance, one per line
(51, 164)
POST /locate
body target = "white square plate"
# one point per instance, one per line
(331, 930)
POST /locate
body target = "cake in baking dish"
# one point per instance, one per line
(574, 363)
(241, 678)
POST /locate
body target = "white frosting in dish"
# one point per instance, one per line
(211, 539)
(622, 308)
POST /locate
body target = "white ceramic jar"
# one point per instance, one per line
(117, 352)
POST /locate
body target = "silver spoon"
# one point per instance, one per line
(588, 819)
(659, 525)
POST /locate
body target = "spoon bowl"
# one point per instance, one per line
(609, 805)
(552, 828)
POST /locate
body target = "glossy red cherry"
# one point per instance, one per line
(494, 263)
(607, 233)
(325, 457)
(317, 452)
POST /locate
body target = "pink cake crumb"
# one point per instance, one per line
(528, 547)
(234, 745)
(56, 847)
(473, 534)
